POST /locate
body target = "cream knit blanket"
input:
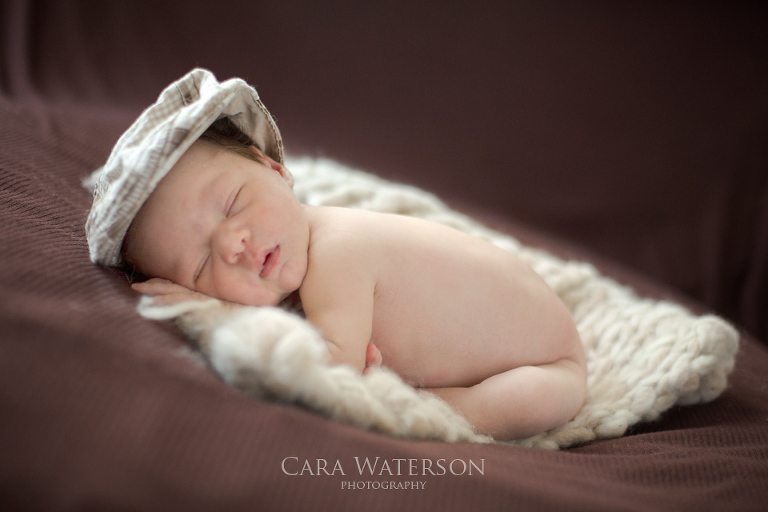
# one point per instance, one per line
(643, 356)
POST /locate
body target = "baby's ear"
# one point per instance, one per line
(286, 174)
(280, 168)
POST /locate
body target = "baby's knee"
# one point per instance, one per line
(574, 387)
(557, 393)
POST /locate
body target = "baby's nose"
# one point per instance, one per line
(233, 245)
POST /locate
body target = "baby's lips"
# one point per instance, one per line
(271, 260)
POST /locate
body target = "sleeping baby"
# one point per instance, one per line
(210, 212)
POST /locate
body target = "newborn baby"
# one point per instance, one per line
(448, 312)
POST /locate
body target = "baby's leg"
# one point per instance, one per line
(521, 402)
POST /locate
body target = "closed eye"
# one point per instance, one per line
(231, 204)
(200, 268)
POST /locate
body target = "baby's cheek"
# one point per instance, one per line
(292, 275)
(249, 289)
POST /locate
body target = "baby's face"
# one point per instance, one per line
(223, 225)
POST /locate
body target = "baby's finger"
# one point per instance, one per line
(156, 286)
(157, 280)
(170, 299)
(372, 356)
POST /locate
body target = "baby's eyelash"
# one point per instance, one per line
(232, 203)
(200, 269)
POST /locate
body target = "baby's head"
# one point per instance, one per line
(221, 217)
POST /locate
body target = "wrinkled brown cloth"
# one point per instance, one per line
(99, 411)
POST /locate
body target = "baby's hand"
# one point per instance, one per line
(167, 292)
(372, 358)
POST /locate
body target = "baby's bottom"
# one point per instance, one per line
(523, 401)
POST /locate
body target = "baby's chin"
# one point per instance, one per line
(266, 300)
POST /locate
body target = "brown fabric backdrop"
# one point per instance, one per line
(637, 132)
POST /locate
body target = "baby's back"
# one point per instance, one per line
(450, 309)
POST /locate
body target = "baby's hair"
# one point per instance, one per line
(226, 134)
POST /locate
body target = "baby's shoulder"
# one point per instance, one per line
(340, 239)
(344, 229)
(341, 262)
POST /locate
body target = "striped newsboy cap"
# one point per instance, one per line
(156, 140)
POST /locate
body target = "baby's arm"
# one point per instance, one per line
(523, 401)
(338, 301)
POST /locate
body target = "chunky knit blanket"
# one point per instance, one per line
(643, 356)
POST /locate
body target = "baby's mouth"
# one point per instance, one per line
(270, 262)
